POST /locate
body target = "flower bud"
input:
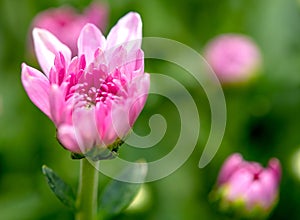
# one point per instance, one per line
(246, 189)
(233, 57)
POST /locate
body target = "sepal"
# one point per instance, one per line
(77, 156)
(104, 153)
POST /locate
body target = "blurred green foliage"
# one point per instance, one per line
(263, 118)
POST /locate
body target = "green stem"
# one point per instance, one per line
(86, 202)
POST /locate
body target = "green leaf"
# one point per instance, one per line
(118, 195)
(62, 191)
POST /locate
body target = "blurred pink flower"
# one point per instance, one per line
(248, 183)
(233, 57)
(93, 98)
(65, 23)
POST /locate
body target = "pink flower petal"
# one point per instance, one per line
(230, 165)
(47, 46)
(86, 131)
(105, 127)
(122, 115)
(117, 58)
(90, 39)
(67, 137)
(37, 87)
(239, 183)
(275, 166)
(128, 28)
(269, 186)
(120, 123)
(57, 104)
(138, 91)
(256, 195)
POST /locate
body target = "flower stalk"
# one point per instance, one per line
(86, 202)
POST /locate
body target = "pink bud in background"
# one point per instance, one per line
(66, 23)
(248, 188)
(233, 57)
(93, 98)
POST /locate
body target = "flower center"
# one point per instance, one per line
(256, 176)
(105, 92)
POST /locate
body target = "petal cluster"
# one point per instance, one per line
(95, 97)
(249, 186)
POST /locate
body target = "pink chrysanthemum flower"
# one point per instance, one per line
(66, 23)
(233, 57)
(93, 98)
(248, 187)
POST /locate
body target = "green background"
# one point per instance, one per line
(263, 116)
